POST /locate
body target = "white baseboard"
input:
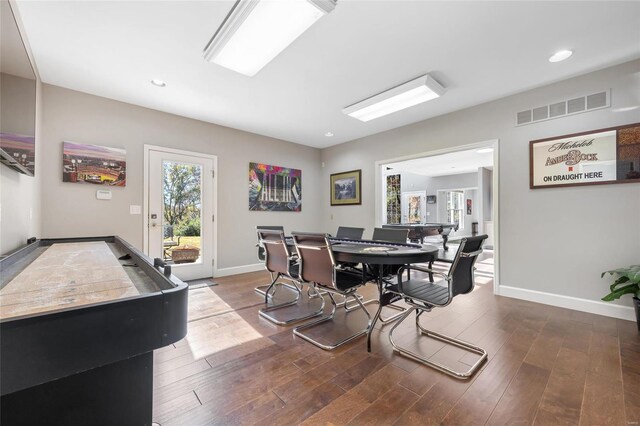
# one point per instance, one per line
(223, 272)
(592, 306)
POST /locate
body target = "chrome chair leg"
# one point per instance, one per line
(443, 338)
(298, 331)
(267, 312)
(274, 286)
(395, 317)
(262, 289)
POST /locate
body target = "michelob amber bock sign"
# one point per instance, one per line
(601, 156)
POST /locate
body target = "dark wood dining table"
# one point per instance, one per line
(376, 255)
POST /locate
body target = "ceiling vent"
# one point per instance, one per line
(563, 108)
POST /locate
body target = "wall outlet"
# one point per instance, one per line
(134, 209)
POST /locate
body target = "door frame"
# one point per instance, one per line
(491, 143)
(145, 212)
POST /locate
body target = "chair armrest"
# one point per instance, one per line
(422, 269)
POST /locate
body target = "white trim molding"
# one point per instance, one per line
(243, 269)
(591, 306)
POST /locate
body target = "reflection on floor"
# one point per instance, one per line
(546, 365)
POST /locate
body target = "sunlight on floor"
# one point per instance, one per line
(222, 329)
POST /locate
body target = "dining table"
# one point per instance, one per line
(374, 255)
(378, 254)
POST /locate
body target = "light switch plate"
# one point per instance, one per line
(133, 209)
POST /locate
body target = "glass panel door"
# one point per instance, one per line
(182, 212)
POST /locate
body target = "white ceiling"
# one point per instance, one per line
(453, 163)
(479, 51)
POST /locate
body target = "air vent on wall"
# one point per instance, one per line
(564, 108)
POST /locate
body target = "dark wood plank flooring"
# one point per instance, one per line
(547, 366)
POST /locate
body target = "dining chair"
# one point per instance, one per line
(281, 264)
(392, 235)
(318, 267)
(422, 296)
(349, 233)
(414, 234)
(261, 289)
(389, 296)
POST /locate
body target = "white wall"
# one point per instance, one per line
(555, 241)
(71, 209)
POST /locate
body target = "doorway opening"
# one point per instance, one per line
(180, 210)
(453, 192)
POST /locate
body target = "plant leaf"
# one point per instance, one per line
(630, 288)
(620, 280)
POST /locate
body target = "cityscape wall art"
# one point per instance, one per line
(99, 165)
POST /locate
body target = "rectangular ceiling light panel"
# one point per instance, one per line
(256, 31)
(414, 92)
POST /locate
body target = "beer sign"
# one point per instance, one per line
(596, 157)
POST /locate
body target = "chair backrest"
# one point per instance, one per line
(413, 235)
(276, 252)
(317, 264)
(349, 233)
(168, 231)
(261, 253)
(461, 271)
(393, 235)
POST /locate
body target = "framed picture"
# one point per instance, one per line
(100, 165)
(468, 206)
(346, 188)
(274, 188)
(602, 156)
(431, 199)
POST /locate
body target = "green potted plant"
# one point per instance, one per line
(628, 282)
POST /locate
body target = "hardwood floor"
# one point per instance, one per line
(546, 366)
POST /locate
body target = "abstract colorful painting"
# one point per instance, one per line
(274, 188)
(18, 152)
(95, 164)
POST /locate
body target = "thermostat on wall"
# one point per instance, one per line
(103, 195)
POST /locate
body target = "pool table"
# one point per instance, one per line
(417, 231)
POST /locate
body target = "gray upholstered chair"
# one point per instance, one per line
(318, 267)
(393, 235)
(261, 289)
(281, 264)
(349, 233)
(422, 296)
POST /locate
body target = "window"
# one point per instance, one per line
(393, 199)
(455, 201)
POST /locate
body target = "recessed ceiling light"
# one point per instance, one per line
(560, 56)
(158, 83)
(328, 134)
(484, 150)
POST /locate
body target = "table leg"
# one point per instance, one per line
(445, 238)
(377, 315)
